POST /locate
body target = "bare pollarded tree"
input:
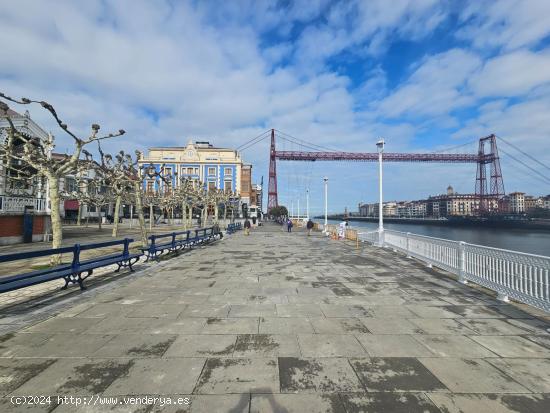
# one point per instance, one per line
(119, 174)
(19, 152)
(183, 195)
(229, 201)
(124, 179)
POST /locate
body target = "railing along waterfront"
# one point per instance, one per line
(511, 274)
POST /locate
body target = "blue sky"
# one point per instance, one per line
(423, 74)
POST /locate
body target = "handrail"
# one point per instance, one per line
(512, 274)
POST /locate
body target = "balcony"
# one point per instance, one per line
(17, 204)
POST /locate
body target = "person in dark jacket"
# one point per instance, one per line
(309, 227)
(289, 225)
(246, 227)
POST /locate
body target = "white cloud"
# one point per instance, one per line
(512, 74)
(509, 24)
(365, 27)
(226, 71)
(435, 88)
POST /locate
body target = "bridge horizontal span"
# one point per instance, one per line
(388, 157)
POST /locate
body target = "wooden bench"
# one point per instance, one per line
(70, 272)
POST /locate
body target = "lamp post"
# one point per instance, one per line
(298, 207)
(292, 208)
(325, 179)
(380, 146)
(307, 204)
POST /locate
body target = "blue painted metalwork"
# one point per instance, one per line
(71, 273)
(202, 235)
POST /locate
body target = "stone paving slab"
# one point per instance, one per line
(279, 322)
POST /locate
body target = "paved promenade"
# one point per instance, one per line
(279, 322)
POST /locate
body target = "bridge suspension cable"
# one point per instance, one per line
(253, 141)
(540, 175)
(524, 153)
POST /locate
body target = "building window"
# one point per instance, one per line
(70, 185)
(211, 171)
(189, 171)
(150, 187)
(196, 171)
(211, 185)
(227, 186)
(228, 171)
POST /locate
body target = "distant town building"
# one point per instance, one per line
(531, 203)
(455, 204)
(517, 202)
(412, 209)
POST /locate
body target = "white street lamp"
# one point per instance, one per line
(325, 179)
(298, 207)
(307, 203)
(380, 146)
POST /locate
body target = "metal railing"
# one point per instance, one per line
(520, 276)
(370, 236)
(18, 204)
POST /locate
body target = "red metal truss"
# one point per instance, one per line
(272, 199)
(373, 157)
(482, 159)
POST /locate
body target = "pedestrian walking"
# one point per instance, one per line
(246, 227)
(309, 227)
(289, 225)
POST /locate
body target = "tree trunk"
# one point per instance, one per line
(57, 227)
(151, 217)
(216, 213)
(141, 217)
(116, 214)
(184, 215)
(79, 217)
(204, 213)
(98, 207)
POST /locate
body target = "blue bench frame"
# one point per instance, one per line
(154, 249)
(71, 273)
(234, 227)
(202, 235)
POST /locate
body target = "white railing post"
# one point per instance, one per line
(408, 245)
(462, 263)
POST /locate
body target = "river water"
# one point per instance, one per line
(533, 242)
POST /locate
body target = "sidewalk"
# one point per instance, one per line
(278, 322)
(72, 234)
